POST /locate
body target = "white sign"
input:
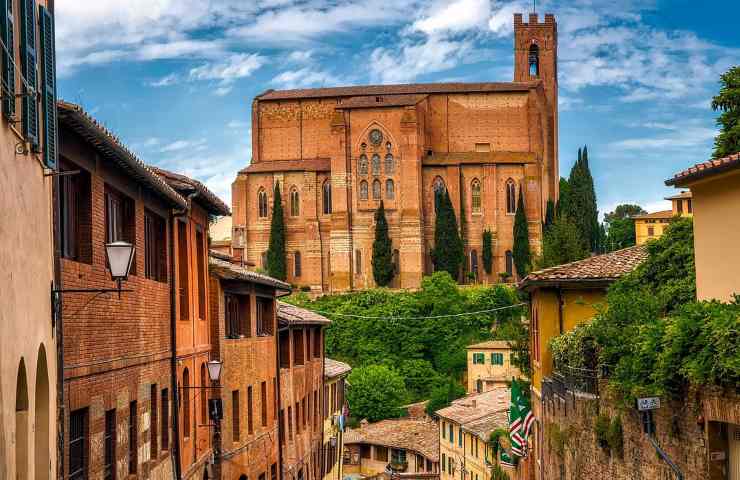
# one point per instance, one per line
(648, 403)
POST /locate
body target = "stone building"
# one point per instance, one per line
(335, 374)
(28, 327)
(490, 365)
(335, 153)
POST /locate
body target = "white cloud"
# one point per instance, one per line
(456, 16)
(239, 65)
(678, 138)
(180, 145)
(237, 125)
(410, 60)
(305, 77)
(165, 81)
(501, 22)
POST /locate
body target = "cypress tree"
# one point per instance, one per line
(276, 251)
(488, 251)
(563, 205)
(727, 102)
(581, 201)
(383, 270)
(592, 211)
(522, 255)
(448, 252)
(549, 214)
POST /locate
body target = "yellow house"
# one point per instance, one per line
(561, 298)
(335, 373)
(489, 365)
(465, 428)
(652, 225)
(715, 187)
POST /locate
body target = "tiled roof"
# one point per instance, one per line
(485, 425)
(472, 409)
(409, 434)
(304, 165)
(375, 101)
(491, 344)
(684, 194)
(77, 119)
(226, 270)
(291, 315)
(405, 89)
(334, 368)
(704, 169)
(184, 185)
(598, 270)
(661, 214)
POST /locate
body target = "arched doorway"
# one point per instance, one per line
(21, 423)
(41, 418)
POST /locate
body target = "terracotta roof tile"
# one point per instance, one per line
(472, 409)
(184, 184)
(600, 269)
(661, 214)
(304, 165)
(704, 169)
(335, 368)
(230, 271)
(291, 315)
(491, 344)
(376, 101)
(409, 434)
(684, 194)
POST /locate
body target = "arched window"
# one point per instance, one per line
(262, 202)
(509, 263)
(376, 164)
(21, 420)
(203, 395)
(534, 60)
(510, 196)
(295, 203)
(474, 262)
(363, 190)
(362, 164)
(186, 403)
(475, 197)
(390, 189)
(326, 197)
(376, 189)
(389, 164)
(297, 264)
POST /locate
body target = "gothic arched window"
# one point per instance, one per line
(363, 190)
(389, 164)
(262, 202)
(376, 164)
(326, 197)
(534, 60)
(390, 189)
(510, 196)
(474, 262)
(509, 263)
(295, 203)
(362, 165)
(297, 264)
(475, 196)
(376, 189)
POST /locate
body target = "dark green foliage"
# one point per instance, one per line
(728, 102)
(562, 208)
(448, 253)
(443, 395)
(562, 244)
(601, 428)
(498, 473)
(580, 202)
(521, 252)
(621, 227)
(377, 393)
(488, 251)
(419, 376)
(276, 251)
(549, 214)
(383, 269)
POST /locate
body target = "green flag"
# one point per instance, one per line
(520, 420)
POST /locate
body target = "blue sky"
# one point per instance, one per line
(175, 78)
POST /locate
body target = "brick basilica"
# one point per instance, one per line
(337, 152)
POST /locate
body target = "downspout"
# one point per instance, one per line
(57, 323)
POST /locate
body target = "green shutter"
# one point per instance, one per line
(49, 90)
(28, 65)
(7, 30)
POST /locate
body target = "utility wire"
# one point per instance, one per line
(428, 317)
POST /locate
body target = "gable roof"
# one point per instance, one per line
(335, 368)
(704, 169)
(110, 146)
(291, 315)
(491, 344)
(660, 214)
(406, 433)
(225, 270)
(186, 185)
(597, 271)
(480, 413)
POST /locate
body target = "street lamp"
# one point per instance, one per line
(214, 370)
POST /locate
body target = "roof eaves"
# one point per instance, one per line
(178, 181)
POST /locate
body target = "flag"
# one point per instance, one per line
(520, 420)
(507, 460)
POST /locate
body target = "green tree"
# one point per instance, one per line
(562, 208)
(621, 226)
(488, 251)
(562, 244)
(592, 211)
(728, 102)
(443, 395)
(549, 214)
(276, 251)
(580, 204)
(420, 377)
(378, 392)
(383, 269)
(521, 252)
(448, 253)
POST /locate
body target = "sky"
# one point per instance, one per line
(175, 79)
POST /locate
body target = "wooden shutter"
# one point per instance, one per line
(49, 87)
(7, 30)
(28, 65)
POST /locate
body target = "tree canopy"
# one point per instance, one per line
(276, 267)
(521, 253)
(562, 244)
(377, 392)
(728, 102)
(383, 269)
(621, 227)
(448, 253)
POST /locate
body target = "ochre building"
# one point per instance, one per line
(336, 153)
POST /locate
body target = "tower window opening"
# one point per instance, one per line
(534, 60)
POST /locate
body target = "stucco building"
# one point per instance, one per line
(490, 365)
(650, 226)
(335, 374)
(335, 153)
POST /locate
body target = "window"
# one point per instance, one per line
(679, 206)
(284, 349)
(510, 197)
(452, 436)
(326, 197)
(281, 429)
(509, 263)
(390, 190)
(182, 269)
(133, 437)
(154, 448)
(273, 472)
(304, 412)
(376, 189)
(362, 165)
(203, 395)
(295, 203)
(74, 215)
(201, 246)
(298, 347)
(358, 262)
(265, 317)
(166, 418)
(497, 359)
(297, 264)
(381, 454)
(120, 224)
(365, 451)
(237, 316)
(444, 462)
(263, 403)
(483, 147)
(689, 207)
(450, 470)
(109, 446)
(376, 164)
(459, 437)
(185, 405)
(438, 187)
(262, 202)
(651, 231)
(474, 262)
(479, 359)
(250, 420)
(398, 456)
(534, 60)
(363, 190)
(443, 428)
(475, 197)
(78, 445)
(298, 418)
(155, 247)
(389, 164)
(235, 414)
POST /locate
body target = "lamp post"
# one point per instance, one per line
(216, 412)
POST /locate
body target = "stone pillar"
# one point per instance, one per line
(311, 201)
(341, 237)
(412, 238)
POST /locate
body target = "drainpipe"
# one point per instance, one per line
(57, 324)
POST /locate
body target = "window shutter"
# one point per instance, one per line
(28, 64)
(49, 88)
(7, 30)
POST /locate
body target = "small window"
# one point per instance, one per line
(534, 60)
(295, 203)
(250, 420)
(120, 220)
(263, 404)
(390, 189)
(237, 316)
(381, 454)
(75, 215)
(497, 359)
(376, 189)
(358, 262)
(474, 262)
(509, 263)
(201, 249)
(363, 190)
(651, 231)
(166, 418)
(235, 414)
(679, 206)
(262, 202)
(396, 261)
(475, 196)
(389, 164)
(362, 165)
(297, 264)
(203, 394)
(510, 197)
(154, 414)
(290, 423)
(298, 347)
(284, 346)
(689, 207)
(185, 404)
(482, 147)
(479, 386)
(317, 344)
(479, 359)
(109, 442)
(265, 316)
(155, 247)
(376, 164)
(459, 437)
(183, 279)
(326, 197)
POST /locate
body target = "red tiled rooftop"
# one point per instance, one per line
(660, 214)
(182, 183)
(704, 169)
(291, 315)
(375, 101)
(335, 368)
(409, 434)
